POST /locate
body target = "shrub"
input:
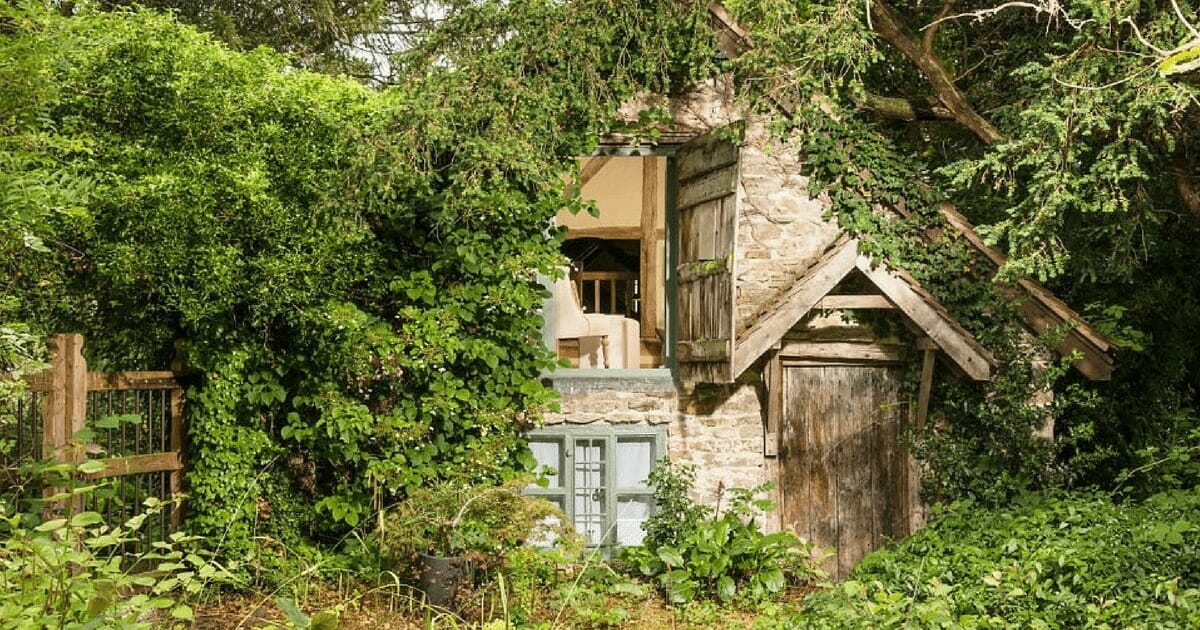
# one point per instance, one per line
(480, 522)
(699, 552)
(1072, 561)
(75, 571)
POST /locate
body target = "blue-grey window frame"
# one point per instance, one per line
(566, 434)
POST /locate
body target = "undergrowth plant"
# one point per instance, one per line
(484, 523)
(1077, 560)
(75, 571)
(701, 552)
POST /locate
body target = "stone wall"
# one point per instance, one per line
(781, 228)
(719, 429)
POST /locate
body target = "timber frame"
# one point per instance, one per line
(898, 291)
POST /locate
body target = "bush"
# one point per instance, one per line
(1072, 561)
(484, 523)
(698, 552)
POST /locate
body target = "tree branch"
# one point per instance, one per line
(900, 108)
(892, 30)
(935, 25)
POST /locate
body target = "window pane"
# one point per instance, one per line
(549, 454)
(635, 458)
(589, 489)
(631, 513)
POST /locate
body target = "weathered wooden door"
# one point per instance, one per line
(843, 476)
(707, 202)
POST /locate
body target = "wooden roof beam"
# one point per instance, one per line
(794, 304)
(1042, 310)
(854, 302)
(928, 314)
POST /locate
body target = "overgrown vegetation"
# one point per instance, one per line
(482, 524)
(1065, 561)
(1045, 125)
(73, 570)
(716, 552)
(349, 275)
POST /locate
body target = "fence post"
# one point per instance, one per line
(66, 405)
(176, 476)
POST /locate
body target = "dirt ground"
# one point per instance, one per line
(391, 610)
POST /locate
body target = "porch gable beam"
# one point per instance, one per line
(794, 304)
(927, 313)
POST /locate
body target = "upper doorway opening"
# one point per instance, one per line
(618, 259)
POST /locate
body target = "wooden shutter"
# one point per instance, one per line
(707, 201)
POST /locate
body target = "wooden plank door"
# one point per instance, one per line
(707, 202)
(843, 477)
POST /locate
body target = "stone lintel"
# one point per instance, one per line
(586, 381)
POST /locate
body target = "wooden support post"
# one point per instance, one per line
(66, 407)
(773, 376)
(650, 273)
(916, 513)
(927, 364)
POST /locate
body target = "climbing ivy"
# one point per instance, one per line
(981, 440)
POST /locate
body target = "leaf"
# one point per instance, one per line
(289, 608)
(91, 466)
(35, 243)
(99, 602)
(726, 588)
(324, 620)
(183, 611)
(670, 556)
(84, 519)
(115, 420)
(51, 525)
(679, 586)
(773, 579)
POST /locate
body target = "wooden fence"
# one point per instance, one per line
(135, 428)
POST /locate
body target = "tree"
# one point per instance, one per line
(351, 272)
(1066, 131)
(351, 37)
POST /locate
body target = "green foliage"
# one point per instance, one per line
(1073, 561)
(350, 273)
(21, 353)
(77, 572)
(484, 523)
(988, 446)
(1080, 192)
(676, 514)
(324, 620)
(316, 35)
(696, 552)
(529, 575)
(598, 597)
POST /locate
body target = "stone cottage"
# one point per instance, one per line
(715, 316)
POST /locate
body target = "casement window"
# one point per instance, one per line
(601, 477)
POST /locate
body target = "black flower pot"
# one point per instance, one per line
(440, 577)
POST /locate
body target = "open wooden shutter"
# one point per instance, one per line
(707, 201)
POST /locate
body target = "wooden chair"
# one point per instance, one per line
(618, 337)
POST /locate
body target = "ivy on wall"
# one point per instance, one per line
(1049, 128)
